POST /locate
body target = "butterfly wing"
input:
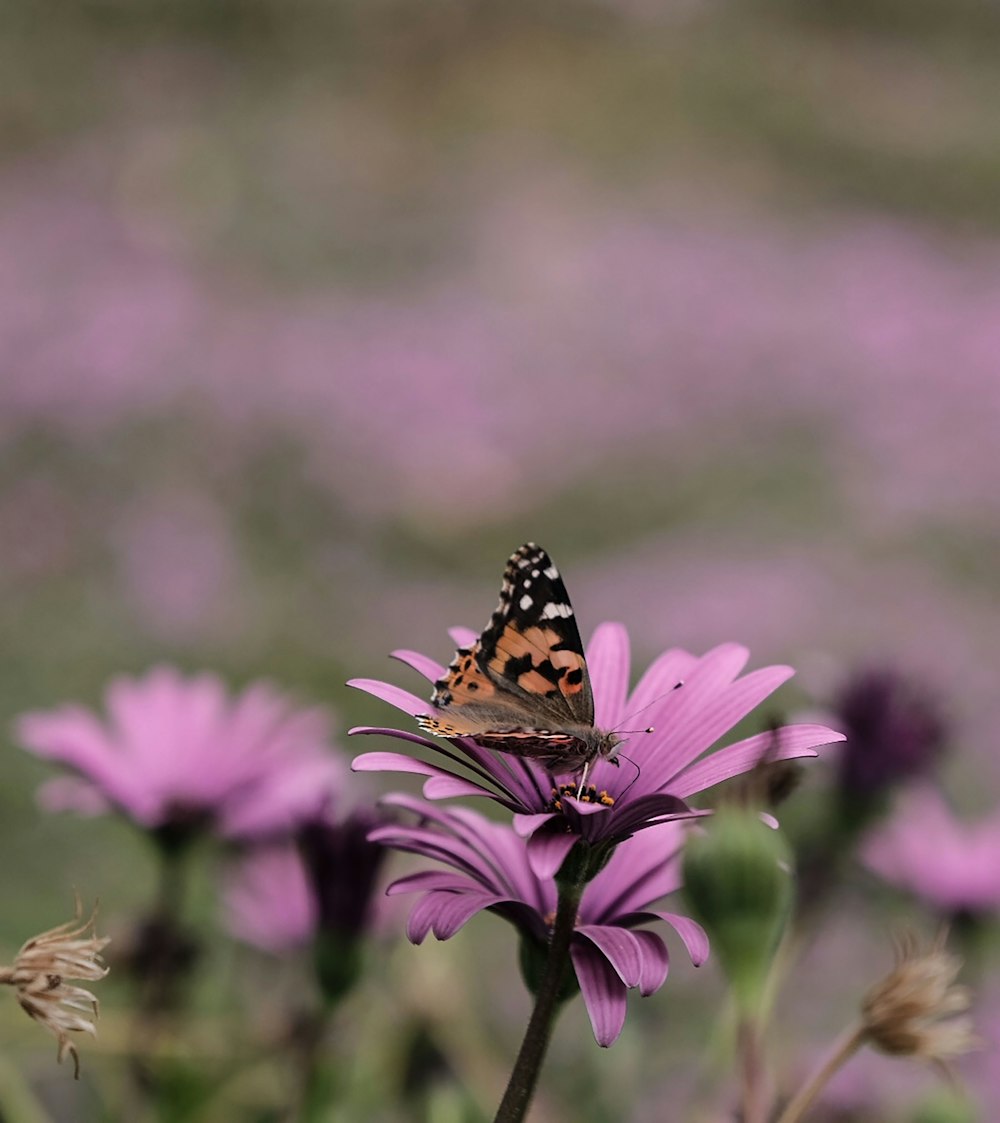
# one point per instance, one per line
(560, 750)
(523, 686)
(531, 647)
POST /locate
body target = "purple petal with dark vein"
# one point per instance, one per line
(619, 946)
(639, 873)
(604, 993)
(526, 825)
(547, 851)
(646, 810)
(701, 727)
(608, 663)
(782, 744)
(431, 669)
(655, 962)
(432, 843)
(394, 695)
(691, 933)
(454, 914)
(422, 917)
(444, 913)
(427, 880)
(446, 787)
(388, 731)
(396, 762)
(660, 679)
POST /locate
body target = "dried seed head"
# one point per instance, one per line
(911, 1012)
(39, 974)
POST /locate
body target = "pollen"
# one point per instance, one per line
(589, 794)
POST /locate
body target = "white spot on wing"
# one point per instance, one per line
(552, 573)
(550, 611)
(526, 602)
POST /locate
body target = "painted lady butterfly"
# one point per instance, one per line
(523, 686)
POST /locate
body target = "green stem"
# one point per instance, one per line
(844, 1048)
(528, 1065)
(753, 1076)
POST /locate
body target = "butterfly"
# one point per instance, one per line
(523, 686)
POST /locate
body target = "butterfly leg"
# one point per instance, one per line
(582, 786)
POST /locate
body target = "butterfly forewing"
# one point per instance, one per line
(523, 686)
(532, 645)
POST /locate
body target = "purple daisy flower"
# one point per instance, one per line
(490, 870)
(177, 754)
(661, 770)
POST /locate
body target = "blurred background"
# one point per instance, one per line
(311, 312)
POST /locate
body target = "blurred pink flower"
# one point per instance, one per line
(924, 849)
(177, 754)
(269, 902)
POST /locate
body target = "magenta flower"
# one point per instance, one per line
(925, 850)
(490, 870)
(663, 769)
(177, 754)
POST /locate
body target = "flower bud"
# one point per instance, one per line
(736, 878)
(895, 733)
(917, 1010)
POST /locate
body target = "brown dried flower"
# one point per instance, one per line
(40, 971)
(911, 1012)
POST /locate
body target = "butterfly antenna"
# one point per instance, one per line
(638, 773)
(652, 702)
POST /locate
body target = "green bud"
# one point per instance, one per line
(946, 1106)
(337, 962)
(533, 955)
(737, 881)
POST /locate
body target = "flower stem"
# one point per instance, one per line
(528, 1065)
(843, 1049)
(752, 1062)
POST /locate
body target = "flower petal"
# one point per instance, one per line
(430, 668)
(396, 762)
(426, 880)
(604, 993)
(394, 695)
(655, 961)
(691, 933)
(447, 787)
(526, 825)
(619, 946)
(547, 851)
(608, 663)
(782, 744)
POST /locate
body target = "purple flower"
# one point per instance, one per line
(342, 865)
(177, 754)
(924, 849)
(314, 890)
(659, 770)
(894, 732)
(490, 870)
